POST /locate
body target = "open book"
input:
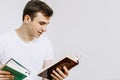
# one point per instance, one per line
(67, 61)
(16, 69)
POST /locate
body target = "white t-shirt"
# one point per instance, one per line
(31, 55)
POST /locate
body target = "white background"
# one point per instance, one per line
(87, 27)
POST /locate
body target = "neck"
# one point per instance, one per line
(23, 34)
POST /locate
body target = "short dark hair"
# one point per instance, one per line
(35, 6)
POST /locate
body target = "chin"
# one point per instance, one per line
(37, 36)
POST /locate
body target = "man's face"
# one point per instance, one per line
(38, 25)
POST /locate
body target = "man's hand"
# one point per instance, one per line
(60, 75)
(5, 75)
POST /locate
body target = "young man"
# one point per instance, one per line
(28, 45)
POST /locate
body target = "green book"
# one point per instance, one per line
(16, 69)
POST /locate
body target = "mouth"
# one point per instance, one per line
(39, 33)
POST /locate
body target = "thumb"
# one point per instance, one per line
(1, 66)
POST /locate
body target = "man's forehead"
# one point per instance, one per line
(39, 16)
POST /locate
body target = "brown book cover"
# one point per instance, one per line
(67, 61)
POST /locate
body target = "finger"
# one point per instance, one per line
(7, 76)
(57, 75)
(5, 79)
(4, 72)
(66, 70)
(2, 66)
(54, 77)
(61, 73)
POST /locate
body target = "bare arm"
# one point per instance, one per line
(45, 64)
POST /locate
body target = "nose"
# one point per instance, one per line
(44, 29)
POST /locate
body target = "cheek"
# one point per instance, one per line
(31, 29)
(34, 28)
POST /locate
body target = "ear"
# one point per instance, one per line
(27, 19)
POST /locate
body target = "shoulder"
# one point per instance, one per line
(5, 36)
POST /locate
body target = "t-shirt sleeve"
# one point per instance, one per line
(2, 56)
(1, 51)
(49, 51)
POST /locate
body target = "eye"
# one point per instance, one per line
(42, 23)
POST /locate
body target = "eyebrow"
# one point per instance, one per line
(43, 22)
